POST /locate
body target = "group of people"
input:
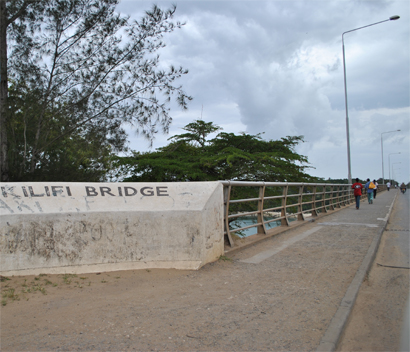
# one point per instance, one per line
(371, 190)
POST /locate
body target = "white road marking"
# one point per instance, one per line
(256, 259)
(388, 213)
(347, 223)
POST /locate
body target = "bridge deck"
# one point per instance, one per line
(293, 291)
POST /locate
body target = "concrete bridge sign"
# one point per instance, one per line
(91, 227)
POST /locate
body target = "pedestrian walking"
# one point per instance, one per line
(388, 186)
(369, 189)
(375, 188)
(357, 187)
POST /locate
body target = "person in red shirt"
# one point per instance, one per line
(357, 187)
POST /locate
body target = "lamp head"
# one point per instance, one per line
(393, 18)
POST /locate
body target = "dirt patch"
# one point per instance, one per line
(284, 303)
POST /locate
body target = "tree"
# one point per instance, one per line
(72, 57)
(228, 156)
(197, 132)
(81, 156)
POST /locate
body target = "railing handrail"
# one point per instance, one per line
(321, 199)
(262, 183)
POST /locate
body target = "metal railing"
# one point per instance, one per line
(267, 205)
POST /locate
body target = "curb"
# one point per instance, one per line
(334, 332)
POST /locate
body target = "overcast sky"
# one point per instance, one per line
(277, 67)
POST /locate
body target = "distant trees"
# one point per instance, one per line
(191, 157)
(78, 72)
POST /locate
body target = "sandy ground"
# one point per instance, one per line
(284, 303)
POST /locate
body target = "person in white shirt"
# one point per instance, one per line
(375, 189)
(388, 186)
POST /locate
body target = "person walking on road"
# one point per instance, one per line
(388, 184)
(357, 187)
(375, 188)
(369, 189)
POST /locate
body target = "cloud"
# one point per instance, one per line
(276, 67)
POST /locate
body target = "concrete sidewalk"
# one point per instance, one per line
(373, 216)
(365, 225)
(293, 291)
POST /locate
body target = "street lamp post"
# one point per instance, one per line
(349, 174)
(381, 141)
(389, 163)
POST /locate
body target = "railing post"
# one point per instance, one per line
(300, 207)
(324, 199)
(339, 196)
(314, 211)
(227, 198)
(331, 205)
(339, 205)
(284, 221)
(346, 195)
(261, 228)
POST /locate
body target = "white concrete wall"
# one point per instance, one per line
(93, 227)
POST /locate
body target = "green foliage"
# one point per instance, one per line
(190, 157)
(225, 258)
(337, 180)
(82, 156)
(197, 132)
(80, 72)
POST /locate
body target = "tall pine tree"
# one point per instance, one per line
(89, 69)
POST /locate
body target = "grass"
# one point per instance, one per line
(9, 294)
(21, 288)
(67, 278)
(225, 258)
